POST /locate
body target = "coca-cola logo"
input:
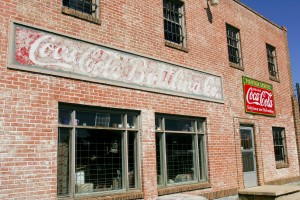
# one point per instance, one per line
(259, 97)
(53, 52)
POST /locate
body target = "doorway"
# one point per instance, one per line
(248, 156)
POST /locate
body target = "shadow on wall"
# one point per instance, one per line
(209, 13)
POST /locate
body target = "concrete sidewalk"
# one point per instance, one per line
(180, 197)
(271, 192)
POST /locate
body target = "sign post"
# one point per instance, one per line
(258, 97)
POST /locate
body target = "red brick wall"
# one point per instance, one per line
(297, 122)
(29, 101)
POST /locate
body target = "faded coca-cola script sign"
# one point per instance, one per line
(259, 98)
(45, 52)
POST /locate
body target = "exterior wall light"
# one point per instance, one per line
(214, 2)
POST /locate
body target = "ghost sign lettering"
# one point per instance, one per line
(45, 52)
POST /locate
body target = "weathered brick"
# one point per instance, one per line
(29, 101)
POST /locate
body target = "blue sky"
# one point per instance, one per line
(284, 13)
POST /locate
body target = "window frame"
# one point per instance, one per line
(91, 17)
(237, 37)
(283, 162)
(181, 22)
(125, 131)
(200, 156)
(272, 62)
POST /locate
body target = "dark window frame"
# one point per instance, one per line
(234, 46)
(174, 23)
(88, 10)
(128, 128)
(279, 142)
(85, 6)
(272, 62)
(196, 130)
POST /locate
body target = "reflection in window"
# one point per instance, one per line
(105, 156)
(85, 6)
(98, 160)
(180, 158)
(180, 153)
(63, 162)
(272, 65)
(174, 21)
(179, 125)
(233, 43)
(279, 144)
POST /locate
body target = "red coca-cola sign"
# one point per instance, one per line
(258, 97)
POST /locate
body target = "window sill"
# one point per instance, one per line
(282, 165)
(236, 66)
(106, 196)
(176, 46)
(80, 15)
(183, 188)
(272, 78)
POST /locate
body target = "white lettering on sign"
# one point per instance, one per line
(259, 97)
(57, 53)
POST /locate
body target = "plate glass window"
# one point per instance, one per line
(180, 150)
(279, 145)
(272, 65)
(174, 21)
(233, 43)
(100, 147)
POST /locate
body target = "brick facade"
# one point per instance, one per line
(29, 101)
(297, 122)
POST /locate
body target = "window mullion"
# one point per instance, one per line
(204, 162)
(197, 155)
(73, 155)
(137, 156)
(164, 154)
(125, 155)
(125, 160)
(164, 159)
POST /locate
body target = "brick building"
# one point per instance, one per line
(134, 99)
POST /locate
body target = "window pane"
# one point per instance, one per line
(178, 125)
(233, 44)
(271, 60)
(180, 158)
(116, 120)
(173, 20)
(132, 121)
(132, 159)
(63, 161)
(279, 153)
(279, 149)
(98, 160)
(102, 120)
(158, 124)
(64, 117)
(80, 5)
(85, 118)
(246, 139)
(248, 161)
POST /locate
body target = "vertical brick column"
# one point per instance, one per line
(295, 105)
(297, 123)
(148, 156)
